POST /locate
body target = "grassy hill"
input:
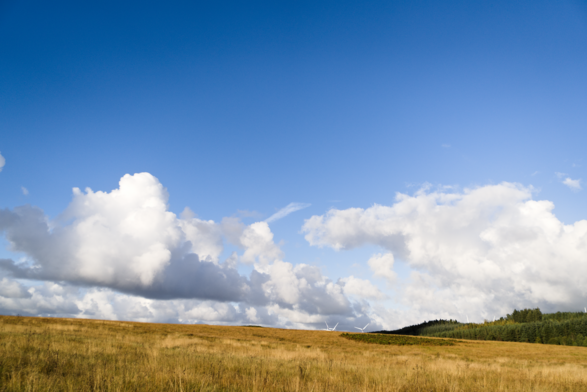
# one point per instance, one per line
(45, 354)
(525, 326)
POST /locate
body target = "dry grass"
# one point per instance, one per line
(69, 354)
(398, 340)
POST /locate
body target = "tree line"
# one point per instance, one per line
(527, 325)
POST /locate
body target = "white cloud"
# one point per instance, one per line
(382, 266)
(361, 288)
(139, 261)
(291, 207)
(303, 289)
(284, 285)
(54, 299)
(2, 162)
(125, 239)
(48, 299)
(480, 252)
(445, 145)
(252, 315)
(12, 289)
(58, 299)
(24, 191)
(573, 184)
(205, 237)
(487, 249)
(258, 242)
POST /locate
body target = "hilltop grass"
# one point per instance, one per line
(397, 340)
(40, 354)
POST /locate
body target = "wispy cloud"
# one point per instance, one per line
(573, 184)
(24, 191)
(2, 162)
(445, 145)
(285, 211)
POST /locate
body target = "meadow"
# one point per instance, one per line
(47, 354)
(397, 340)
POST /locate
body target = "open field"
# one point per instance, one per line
(39, 354)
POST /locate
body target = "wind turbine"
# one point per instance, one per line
(333, 328)
(467, 319)
(363, 329)
(327, 328)
(585, 310)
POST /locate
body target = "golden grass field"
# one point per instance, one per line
(45, 354)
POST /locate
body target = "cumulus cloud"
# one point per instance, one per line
(382, 266)
(572, 184)
(205, 237)
(481, 251)
(303, 290)
(361, 288)
(47, 299)
(291, 207)
(137, 260)
(123, 255)
(2, 162)
(257, 239)
(126, 240)
(63, 300)
(12, 289)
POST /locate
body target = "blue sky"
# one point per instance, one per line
(239, 109)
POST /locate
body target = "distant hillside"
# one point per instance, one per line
(527, 325)
(428, 328)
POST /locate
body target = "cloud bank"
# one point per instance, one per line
(129, 252)
(480, 252)
(122, 254)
